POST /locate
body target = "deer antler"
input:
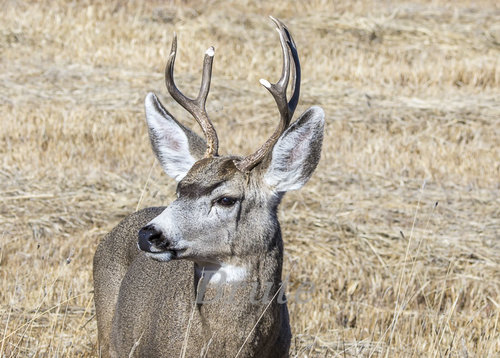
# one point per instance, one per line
(278, 90)
(196, 107)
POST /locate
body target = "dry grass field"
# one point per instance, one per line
(399, 228)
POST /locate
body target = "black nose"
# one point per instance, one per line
(149, 235)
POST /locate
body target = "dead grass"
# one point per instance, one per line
(411, 92)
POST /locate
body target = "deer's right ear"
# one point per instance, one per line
(176, 147)
(296, 153)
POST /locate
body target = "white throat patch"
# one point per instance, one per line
(225, 274)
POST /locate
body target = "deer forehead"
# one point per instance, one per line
(208, 174)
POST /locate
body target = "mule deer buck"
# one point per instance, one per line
(222, 229)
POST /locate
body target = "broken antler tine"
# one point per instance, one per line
(206, 124)
(173, 48)
(207, 75)
(196, 107)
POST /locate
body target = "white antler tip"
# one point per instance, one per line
(265, 83)
(210, 52)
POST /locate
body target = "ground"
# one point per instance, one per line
(399, 228)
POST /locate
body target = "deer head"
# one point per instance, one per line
(226, 206)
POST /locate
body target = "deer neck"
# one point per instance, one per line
(251, 278)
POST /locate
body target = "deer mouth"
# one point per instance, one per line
(164, 254)
(159, 249)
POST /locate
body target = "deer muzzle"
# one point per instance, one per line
(151, 239)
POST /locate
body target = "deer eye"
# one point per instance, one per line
(226, 201)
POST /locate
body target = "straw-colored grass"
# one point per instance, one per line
(411, 93)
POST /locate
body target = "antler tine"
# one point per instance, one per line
(196, 107)
(278, 91)
(288, 44)
(292, 104)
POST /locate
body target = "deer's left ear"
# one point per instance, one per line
(296, 153)
(176, 147)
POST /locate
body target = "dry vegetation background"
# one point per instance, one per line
(411, 93)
